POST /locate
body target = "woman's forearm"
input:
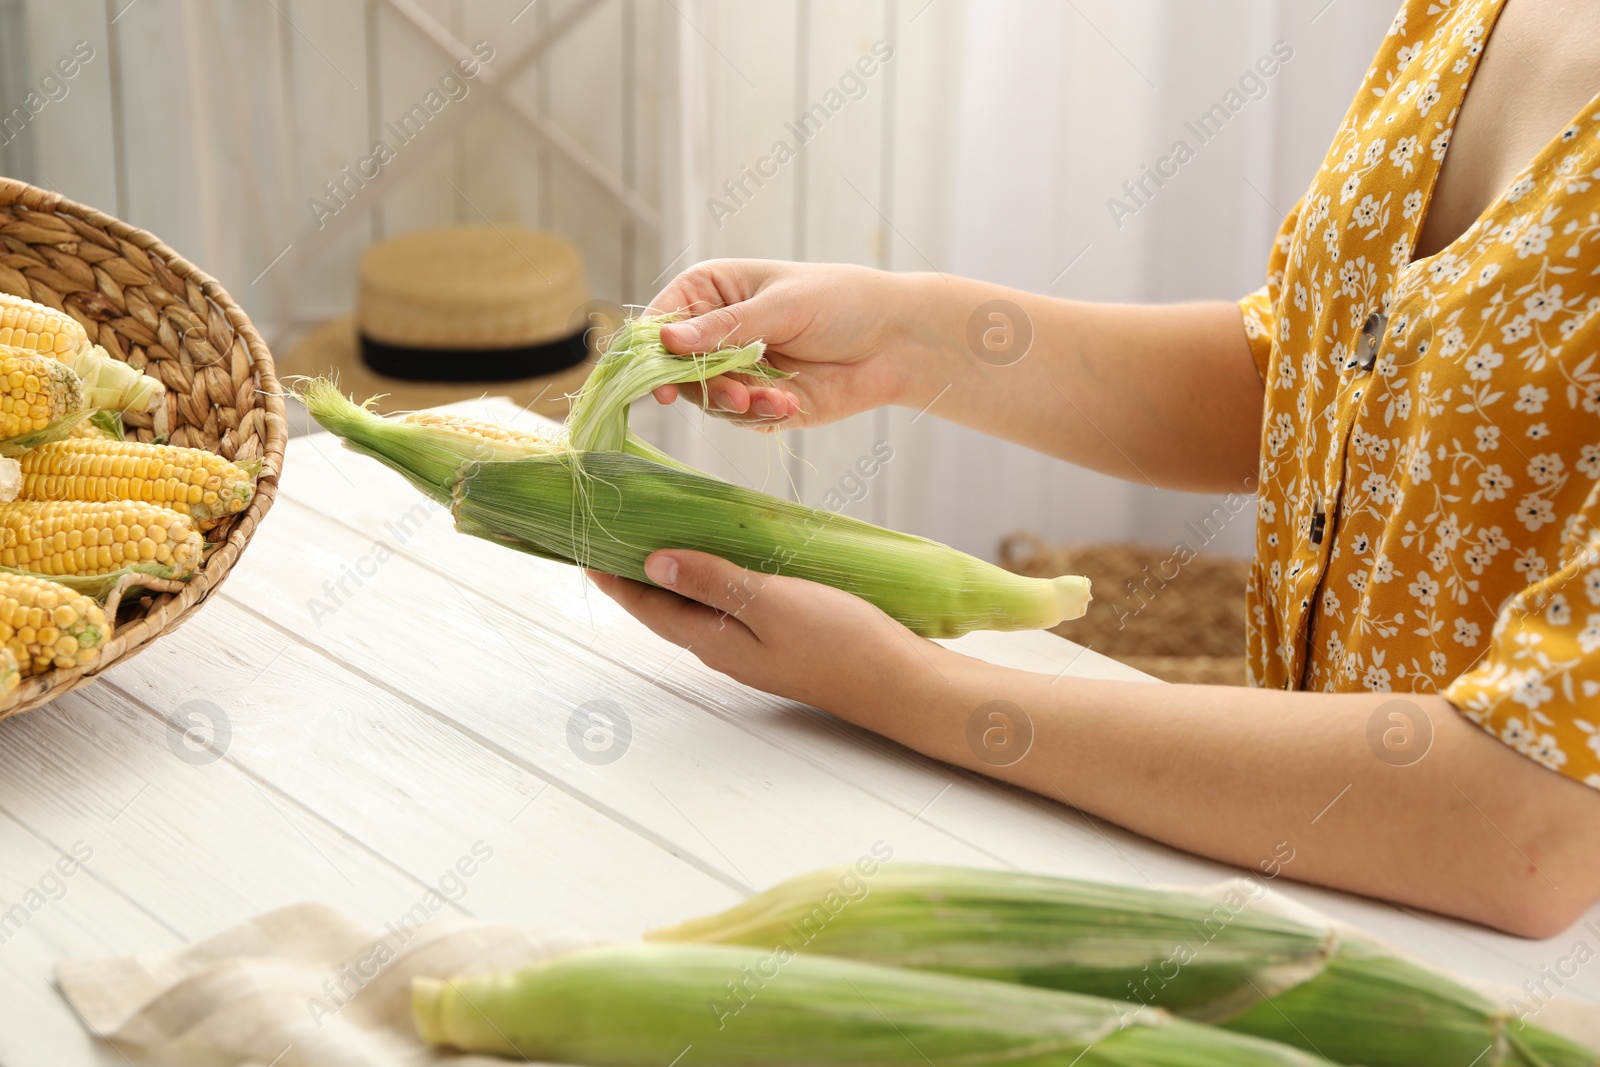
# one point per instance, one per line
(1161, 394)
(1471, 829)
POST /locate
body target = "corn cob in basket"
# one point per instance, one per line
(716, 1006)
(110, 385)
(90, 539)
(191, 481)
(44, 624)
(601, 497)
(1224, 963)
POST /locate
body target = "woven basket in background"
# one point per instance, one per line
(148, 306)
(1180, 621)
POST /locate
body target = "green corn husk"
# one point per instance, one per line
(109, 423)
(608, 507)
(636, 362)
(716, 1006)
(609, 510)
(112, 385)
(1219, 962)
(100, 586)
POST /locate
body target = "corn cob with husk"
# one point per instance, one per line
(200, 484)
(715, 1006)
(110, 384)
(77, 538)
(609, 510)
(600, 497)
(43, 624)
(1219, 962)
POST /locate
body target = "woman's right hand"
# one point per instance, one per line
(839, 329)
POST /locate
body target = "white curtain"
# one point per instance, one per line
(989, 146)
(1061, 104)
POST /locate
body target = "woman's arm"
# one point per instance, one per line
(1472, 829)
(1163, 394)
(1166, 395)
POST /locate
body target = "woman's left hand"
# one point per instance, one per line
(787, 636)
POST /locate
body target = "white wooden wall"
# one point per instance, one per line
(987, 146)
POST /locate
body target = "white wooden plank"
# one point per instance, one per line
(659, 785)
(406, 785)
(199, 846)
(1006, 825)
(67, 911)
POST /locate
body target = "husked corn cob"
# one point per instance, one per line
(109, 383)
(36, 394)
(37, 328)
(72, 537)
(44, 625)
(192, 481)
(648, 1005)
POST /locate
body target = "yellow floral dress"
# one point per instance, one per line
(1430, 465)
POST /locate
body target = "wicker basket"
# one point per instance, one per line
(148, 306)
(1180, 623)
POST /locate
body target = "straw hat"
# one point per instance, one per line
(459, 312)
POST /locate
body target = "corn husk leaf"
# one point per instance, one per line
(1223, 962)
(114, 586)
(609, 510)
(112, 385)
(717, 1006)
(634, 363)
(109, 425)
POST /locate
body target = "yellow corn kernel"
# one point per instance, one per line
(35, 392)
(34, 536)
(37, 328)
(62, 628)
(197, 483)
(492, 431)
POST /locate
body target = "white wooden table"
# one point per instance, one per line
(366, 736)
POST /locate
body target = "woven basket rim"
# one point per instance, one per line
(166, 610)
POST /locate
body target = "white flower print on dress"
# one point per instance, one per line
(1558, 612)
(1589, 639)
(1424, 590)
(1492, 483)
(1528, 688)
(1535, 512)
(1545, 469)
(1531, 398)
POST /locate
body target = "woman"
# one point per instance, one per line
(1416, 392)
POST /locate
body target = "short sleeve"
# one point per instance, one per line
(1258, 318)
(1262, 307)
(1537, 688)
